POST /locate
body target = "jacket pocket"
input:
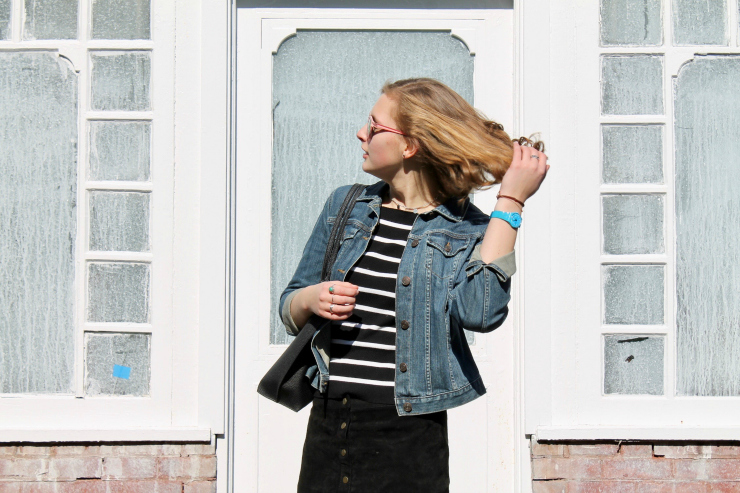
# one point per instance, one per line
(350, 231)
(350, 240)
(444, 253)
(353, 229)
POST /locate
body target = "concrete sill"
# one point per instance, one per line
(98, 435)
(683, 433)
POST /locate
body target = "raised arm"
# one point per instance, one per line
(522, 180)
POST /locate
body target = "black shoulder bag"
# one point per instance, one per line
(286, 382)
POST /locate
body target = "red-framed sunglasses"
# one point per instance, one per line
(373, 127)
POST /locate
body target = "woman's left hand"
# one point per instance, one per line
(525, 174)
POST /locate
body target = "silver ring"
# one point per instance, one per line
(331, 308)
(535, 156)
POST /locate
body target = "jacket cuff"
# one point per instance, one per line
(290, 325)
(504, 266)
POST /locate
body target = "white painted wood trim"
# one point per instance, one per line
(226, 456)
(675, 433)
(538, 272)
(96, 115)
(215, 110)
(186, 215)
(40, 435)
(16, 13)
(116, 256)
(732, 6)
(128, 186)
(522, 467)
(118, 327)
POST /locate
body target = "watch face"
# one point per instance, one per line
(515, 219)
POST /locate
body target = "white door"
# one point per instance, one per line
(306, 80)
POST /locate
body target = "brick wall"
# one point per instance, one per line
(634, 467)
(110, 468)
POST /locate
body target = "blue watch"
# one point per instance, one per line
(513, 218)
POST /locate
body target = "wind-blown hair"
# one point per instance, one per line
(460, 150)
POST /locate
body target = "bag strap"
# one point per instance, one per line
(332, 247)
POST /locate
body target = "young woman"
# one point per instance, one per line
(417, 264)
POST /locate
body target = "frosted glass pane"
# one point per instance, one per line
(121, 81)
(118, 292)
(38, 222)
(50, 19)
(119, 221)
(120, 150)
(120, 19)
(700, 22)
(633, 224)
(328, 81)
(633, 294)
(104, 353)
(707, 127)
(633, 364)
(632, 85)
(632, 153)
(5, 19)
(631, 22)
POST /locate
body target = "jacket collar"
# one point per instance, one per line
(451, 209)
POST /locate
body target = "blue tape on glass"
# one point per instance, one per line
(121, 371)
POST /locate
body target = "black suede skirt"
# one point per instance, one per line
(360, 447)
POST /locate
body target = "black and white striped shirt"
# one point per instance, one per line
(363, 347)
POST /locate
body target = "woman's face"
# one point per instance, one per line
(384, 152)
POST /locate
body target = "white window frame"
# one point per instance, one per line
(188, 231)
(563, 329)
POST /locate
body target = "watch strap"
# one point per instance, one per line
(513, 218)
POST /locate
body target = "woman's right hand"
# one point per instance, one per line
(526, 172)
(332, 300)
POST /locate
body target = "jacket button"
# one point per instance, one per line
(343, 426)
(414, 243)
(448, 247)
(405, 324)
(406, 280)
(345, 480)
(407, 407)
(404, 367)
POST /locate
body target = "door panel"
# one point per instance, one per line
(306, 82)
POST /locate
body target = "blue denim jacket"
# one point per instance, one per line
(450, 288)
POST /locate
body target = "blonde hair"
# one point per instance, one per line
(460, 149)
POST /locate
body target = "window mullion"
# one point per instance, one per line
(16, 21)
